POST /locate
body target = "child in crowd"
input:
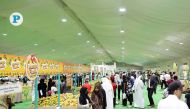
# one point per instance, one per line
(114, 85)
(53, 89)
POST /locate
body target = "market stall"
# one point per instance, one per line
(35, 69)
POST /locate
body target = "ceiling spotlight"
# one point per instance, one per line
(93, 46)
(181, 43)
(123, 42)
(35, 44)
(87, 41)
(4, 34)
(53, 50)
(122, 31)
(167, 49)
(64, 20)
(122, 48)
(79, 34)
(122, 9)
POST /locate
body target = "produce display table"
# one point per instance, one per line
(54, 107)
(67, 99)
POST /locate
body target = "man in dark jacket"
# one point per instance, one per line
(151, 87)
(42, 88)
(156, 78)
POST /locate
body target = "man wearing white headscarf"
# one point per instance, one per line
(107, 86)
(138, 95)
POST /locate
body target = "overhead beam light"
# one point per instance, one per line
(87, 41)
(167, 49)
(122, 31)
(181, 43)
(64, 20)
(53, 50)
(122, 48)
(122, 9)
(4, 34)
(35, 44)
(79, 34)
(123, 42)
(93, 46)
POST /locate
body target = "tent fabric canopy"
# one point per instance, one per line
(153, 30)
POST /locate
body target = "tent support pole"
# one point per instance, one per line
(59, 90)
(36, 93)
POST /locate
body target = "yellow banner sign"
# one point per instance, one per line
(11, 65)
(75, 68)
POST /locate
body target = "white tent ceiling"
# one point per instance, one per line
(154, 31)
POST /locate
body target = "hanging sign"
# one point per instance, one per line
(75, 68)
(11, 65)
(17, 65)
(32, 67)
(69, 79)
(16, 19)
(7, 89)
(5, 65)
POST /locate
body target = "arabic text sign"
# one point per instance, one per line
(10, 89)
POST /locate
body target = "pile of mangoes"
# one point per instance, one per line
(67, 99)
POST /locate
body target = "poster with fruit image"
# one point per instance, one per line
(69, 79)
(3, 64)
(71, 68)
(52, 67)
(67, 68)
(43, 67)
(32, 67)
(11, 65)
(49, 67)
(58, 67)
(17, 65)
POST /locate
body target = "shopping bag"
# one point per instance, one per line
(124, 96)
(41, 92)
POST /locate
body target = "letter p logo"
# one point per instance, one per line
(16, 19)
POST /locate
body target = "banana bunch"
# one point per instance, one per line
(67, 99)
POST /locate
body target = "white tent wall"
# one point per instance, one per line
(103, 69)
(168, 65)
(129, 68)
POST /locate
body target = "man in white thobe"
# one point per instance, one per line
(173, 100)
(167, 77)
(107, 86)
(138, 95)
